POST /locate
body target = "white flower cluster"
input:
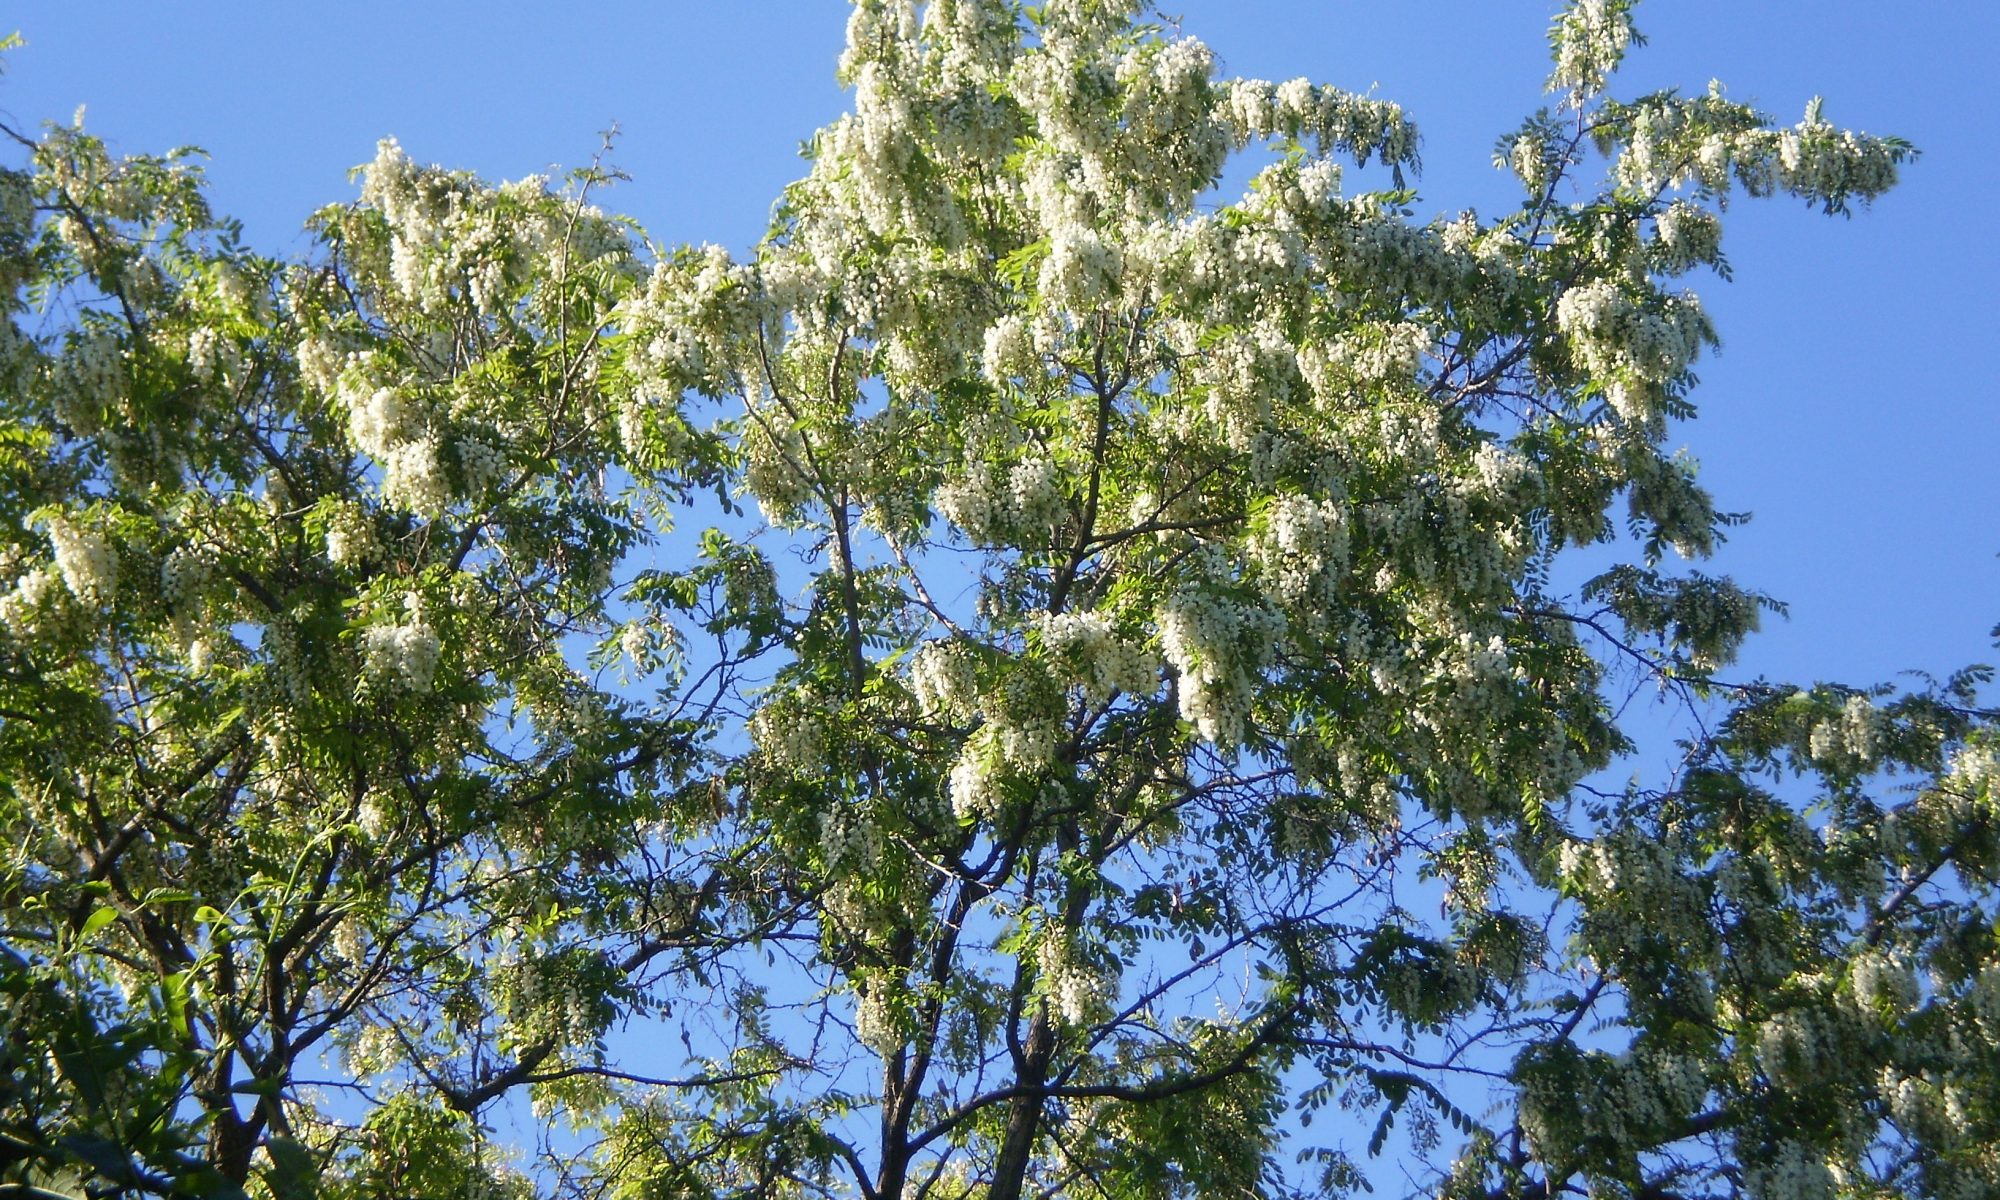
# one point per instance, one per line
(1402, 436)
(405, 653)
(1819, 161)
(87, 560)
(351, 941)
(1333, 119)
(944, 676)
(1082, 270)
(80, 168)
(377, 813)
(1938, 1114)
(788, 737)
(1799, 1048)
(849, 840)
(1478, 676)
(1884, 980)
(1077, 989)
(1632, 884)
(1095, 657)
(1974, 777)
(1301, 553)
(851, 905)
(1984, 999)
(277, 497)
(1009, 351)
(1245, 375)
(875, 1023)
(24, 607)
(449, 239)
(1794, 1171)
(350, 537)
(924, 89)
(1216, 643)
(287, 660)
(1034, 487)
(1649, 160)
(1065, 91)
(975, 40)
(1173, 145)
(1506, 474)
(547, 1000)
(414, 478)
(481, 463)
(1671, 141)
(185, 575)
(385, 424)
(1850, 742)
(1589, 39)
(1383, 354)
(1626, 1099)
(679, 327)
(775, 467)
(1421, 990)
(369, 1050)
(975, 785)
(214, 356)
(93, 254)
(1024, 716)
(1372, 253)
(1529, 158)
(1250, 273)
(1635, 350)
(881, 141)
(1686, 235)
(648, 644)
(993, 502)
(320, 358)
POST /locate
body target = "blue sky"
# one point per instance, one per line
(1849, 410)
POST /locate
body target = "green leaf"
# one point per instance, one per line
(1381, 1134)
(174, 992)
(293, 1174)
(98, 919)
(102, 1155)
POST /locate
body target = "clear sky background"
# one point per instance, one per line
(1850, 410)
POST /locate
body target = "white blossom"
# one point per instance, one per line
(1590, 39)
(943, 674)
(1215, 642)
(405, 653)
(350, 537)
(23, 608)
(1096, 657)
(86, 559)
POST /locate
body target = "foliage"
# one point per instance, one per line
(1146, 622)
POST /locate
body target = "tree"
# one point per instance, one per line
(1147, 623)
(295, 753)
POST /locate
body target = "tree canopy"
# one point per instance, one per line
(1043, 678)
